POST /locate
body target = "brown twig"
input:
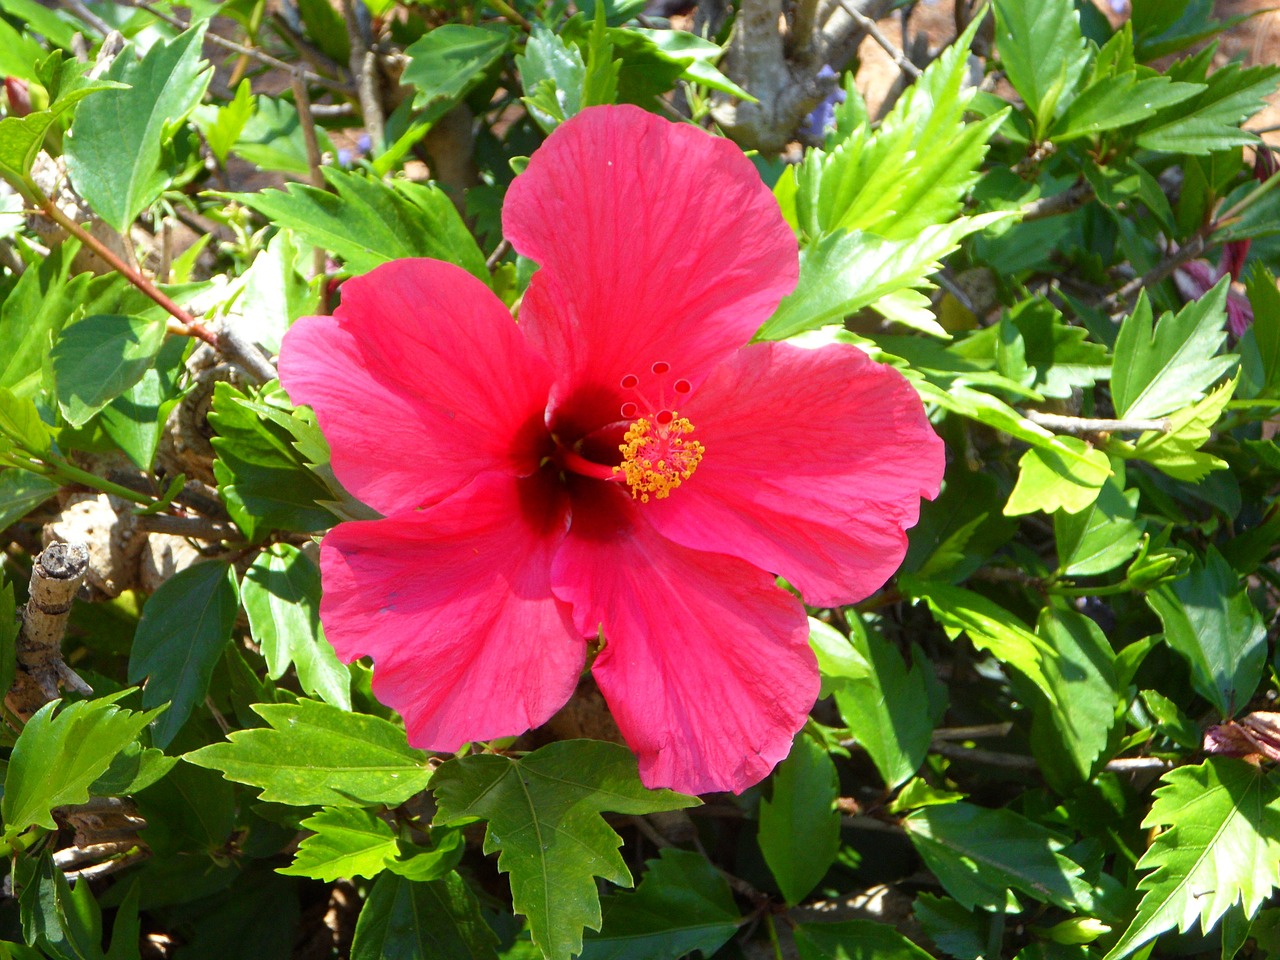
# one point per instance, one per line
(1080, 425)
(1192, 249)
(55, 577)
(364, 73)
(872, 30)
(1017, 761)
(1073, 198)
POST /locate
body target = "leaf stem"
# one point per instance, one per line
(511, 13)
(54, 469)
(773, 934)
(13, 845)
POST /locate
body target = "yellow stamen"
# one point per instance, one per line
(657, 459)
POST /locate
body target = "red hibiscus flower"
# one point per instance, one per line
(621, 464)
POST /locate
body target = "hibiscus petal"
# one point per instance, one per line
(642, 261)
(706, 666)
(454, 604)
(815, 462)
(420, 381)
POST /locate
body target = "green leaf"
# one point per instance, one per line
(696, 54)
(1210, 620)
(1113, 102)
(989, 626)
(1070, 733)
(1264, 297)
(854, 940)
(1211, 120)
(1177, 451)
(406, 920)
(32, 314)
(1219, 848)
(543, 813)
(348, 842)
(844, 272)
(56, 758)
(799, 831)
(9, 628)
(275, 293)
(132, 770)
(552, 73)
(20, 493)
(1160, 370)
(682, 904)
(1048, 481)
(98, 358)
(222, 132)
(979, 854)
(135, 419)
(184, 628)
(20, 424)
(367, 222)
(1042, 51)
(281, 595)
(65, 923)
(261, 476)
(115, 152)
(1102, 536)
(883, 707)
(912, 172)
(446, 62)
(317, 754)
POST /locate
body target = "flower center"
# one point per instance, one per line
(657, 457)
(657, 454)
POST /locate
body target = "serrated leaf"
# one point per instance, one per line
(844, 272)
(367, 222)
(1042, 51)
(223, 128)
(348, 842)
(799, 831)
(1113, 102)
(978, 854)
(854, 940)
(543, 814)
(1048, 481)
(883, 708)
(33, 312)
(180, 638)
(1211, 120)
(988, 626)
(115, 152)
(98, 358)
(60, 753)
(133, 769)
(281, 595)
(260, 473)
(1177, 451)
(1264, 297)
(446, 62)
(552, 73)
(64, 922)
(682, 904)
(1162, 369)
(407, 920)
(910, 173)
(1219, 848)
(316, 754)
(1210, 620)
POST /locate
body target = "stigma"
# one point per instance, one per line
(658, 456)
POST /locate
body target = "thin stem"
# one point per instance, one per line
(773, 935)
(364, 73)
(1079, 425)
(887, 45)
(10, 846)
(1072, 198)
(511, 13)
(1192, 249)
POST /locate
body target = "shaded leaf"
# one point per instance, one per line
(854, 940)
(406, 920)
(98, 358)
(799, 825)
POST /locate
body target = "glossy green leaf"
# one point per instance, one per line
(1211, 120)
(1210, 620)
(34, 311)
(20, 493)
(367, 222)
(316, 754)
(1177, 451)
(1264, 297)
(180, 638)
(799, 825)
(552, 73)
(978, 854)
(135, 419)
(854, 940)
(407, 920)
(1042, 52)
(64, 922)
(1113, 102)
(543, 814)
(1100, 537)
(115, 154)
(1162, 368)
(21, 426)
(60, 753)
(1219, 847)
(98, 358)
(348, 842)
(223, 128)
(281, 594)
(682, 904)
